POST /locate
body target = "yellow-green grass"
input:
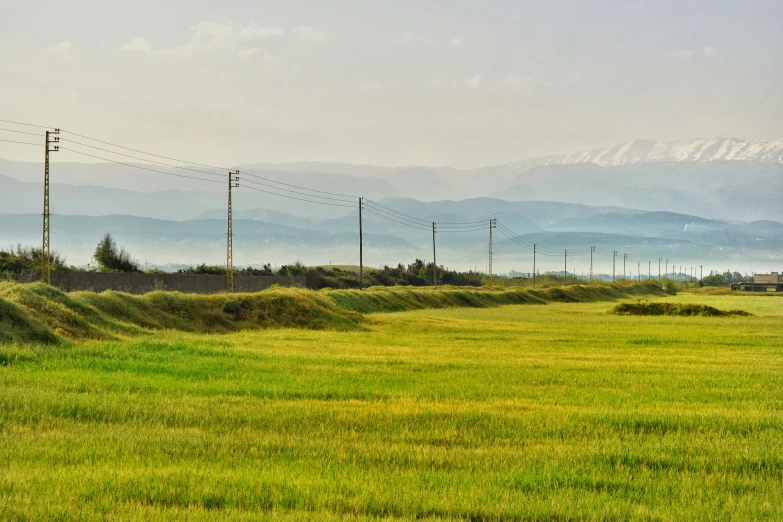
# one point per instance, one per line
(757, 304)
(557, 412)
(43, 314)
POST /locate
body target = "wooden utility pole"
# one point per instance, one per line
(233, 181)
(434, 262)
(592, 250)
(565, 266)
(361, 247)
(659, 268)
(46, 257)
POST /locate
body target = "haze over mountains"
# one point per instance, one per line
(715, 200)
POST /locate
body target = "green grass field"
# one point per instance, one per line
(549, 412)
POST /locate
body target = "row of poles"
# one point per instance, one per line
(52, 140)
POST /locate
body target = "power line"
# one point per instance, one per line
(398, 213)
(140, 167)
(400, 222)
(21, 132)
(295, 192)
(183, 161)
(143, 152)
(352, 198)
(299, 199)
(392, 217)
(455, 224)
(22, 143)
(508, 231)
(26, 124)
(484, 223)
(141, 159)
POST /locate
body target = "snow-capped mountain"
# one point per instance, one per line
(720, 148)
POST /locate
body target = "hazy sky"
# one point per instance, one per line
(395, 82)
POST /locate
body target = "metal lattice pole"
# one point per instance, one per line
(434, 262)
(46, 254)
(233, 179)
(361, 248)
(491, 226)
(614, 264)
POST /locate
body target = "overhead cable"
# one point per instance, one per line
(139, 166)
(292, 197)
(294, 191)
(400, 222)
(22, 132)
(22, 143)
(63, 131)
(26, 124)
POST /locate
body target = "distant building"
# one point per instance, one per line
(762, 283)
(768, 279)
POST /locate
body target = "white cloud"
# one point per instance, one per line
(306, 32)
(206, 38)
(710, 51)
(458, 41)
(683, 54)
(252, 31)
(62, 50)
(139, 44)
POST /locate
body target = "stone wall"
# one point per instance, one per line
(143, 283)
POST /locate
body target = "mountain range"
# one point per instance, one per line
(713, 200)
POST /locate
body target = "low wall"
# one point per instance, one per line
(143, 283)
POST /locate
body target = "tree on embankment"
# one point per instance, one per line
(112, 258)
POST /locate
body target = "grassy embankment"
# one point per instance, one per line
(558, 412)
(42, 314)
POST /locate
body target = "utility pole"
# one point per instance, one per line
(592, 250)
(491, 226)
(46, 248)
(639, 270)
(233, 181)
(614, 261)
(534, 265)
(625, 258)
(361, 247)
(648, 270)
(565, 266)
(434, 263)
(701, 272)
(667, 267)
(659, 268)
